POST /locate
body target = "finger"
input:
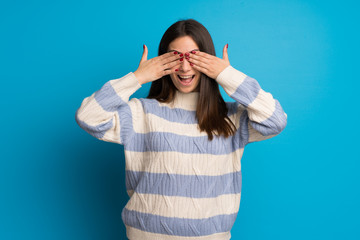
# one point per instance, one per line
(201, 69)
(171, 58)
(199, 54)
(199, 63)
(144, 55)
(171, 70)
(225, 53)
(167, 55)
(201, 58)
(171, 64)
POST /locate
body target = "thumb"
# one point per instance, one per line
(145, 53)
(225, 53)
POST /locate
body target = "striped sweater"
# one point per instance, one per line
(181, 185)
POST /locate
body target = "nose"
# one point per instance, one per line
(185, 65)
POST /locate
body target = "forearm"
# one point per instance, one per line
(100, 113)
(264, 112)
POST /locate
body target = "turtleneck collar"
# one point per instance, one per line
(186, 100)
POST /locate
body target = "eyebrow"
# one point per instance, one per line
(181, 52)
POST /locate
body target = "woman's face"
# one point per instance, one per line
(185, 45)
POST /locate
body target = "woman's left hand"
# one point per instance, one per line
(209, 64)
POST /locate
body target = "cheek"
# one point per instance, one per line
(173, 77)
(198, 75)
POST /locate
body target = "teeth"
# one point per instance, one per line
(185, 77)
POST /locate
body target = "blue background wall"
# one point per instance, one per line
(58, 182)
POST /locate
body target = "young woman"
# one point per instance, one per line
(183, 144)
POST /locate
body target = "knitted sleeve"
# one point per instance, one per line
(107, 114)
(264, 115)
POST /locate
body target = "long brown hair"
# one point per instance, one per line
(211, 110)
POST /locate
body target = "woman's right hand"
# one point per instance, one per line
(154, 68)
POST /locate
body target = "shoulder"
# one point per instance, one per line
(142, 101)
(145, 104)
(147, 101)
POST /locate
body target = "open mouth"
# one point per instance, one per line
(187, 80)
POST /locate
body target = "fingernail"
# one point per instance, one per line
(193, 52)
(186, 54)
(181, 55)
(176, 70)
(143, 46)
(175, 52)
(227, 45)
(181, 59)
(191, 64)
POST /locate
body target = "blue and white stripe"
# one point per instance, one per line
(180, 184)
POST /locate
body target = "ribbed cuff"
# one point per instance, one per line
(126, 85)
(230, 79)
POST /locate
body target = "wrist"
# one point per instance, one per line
(139, 78)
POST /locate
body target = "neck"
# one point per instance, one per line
(186, 100)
